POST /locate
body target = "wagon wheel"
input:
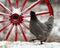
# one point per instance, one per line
(16, 18)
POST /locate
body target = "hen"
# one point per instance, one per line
(40, 30)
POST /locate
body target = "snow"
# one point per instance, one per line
(18, 44)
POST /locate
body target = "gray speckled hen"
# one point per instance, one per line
(40, 30)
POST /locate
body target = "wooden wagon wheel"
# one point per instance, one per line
(16, 16)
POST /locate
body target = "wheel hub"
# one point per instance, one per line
(16, 19)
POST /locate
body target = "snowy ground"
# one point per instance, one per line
(18, 44)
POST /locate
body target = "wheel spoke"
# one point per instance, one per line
(37, 14)
(26, 16)
(26, 20)
(4, 27)
(24, 3)
(16, 34)
(41, 13)
(10, 3)
(3, 14)
(17, 2)
(25, 26)
(9, 32)
(23, 33)
(5, 8)
(3, 21)
(30, 7)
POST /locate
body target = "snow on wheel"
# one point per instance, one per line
(16, 16)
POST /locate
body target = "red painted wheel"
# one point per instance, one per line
(16, 16)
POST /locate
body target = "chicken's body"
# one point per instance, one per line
(40, 30)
